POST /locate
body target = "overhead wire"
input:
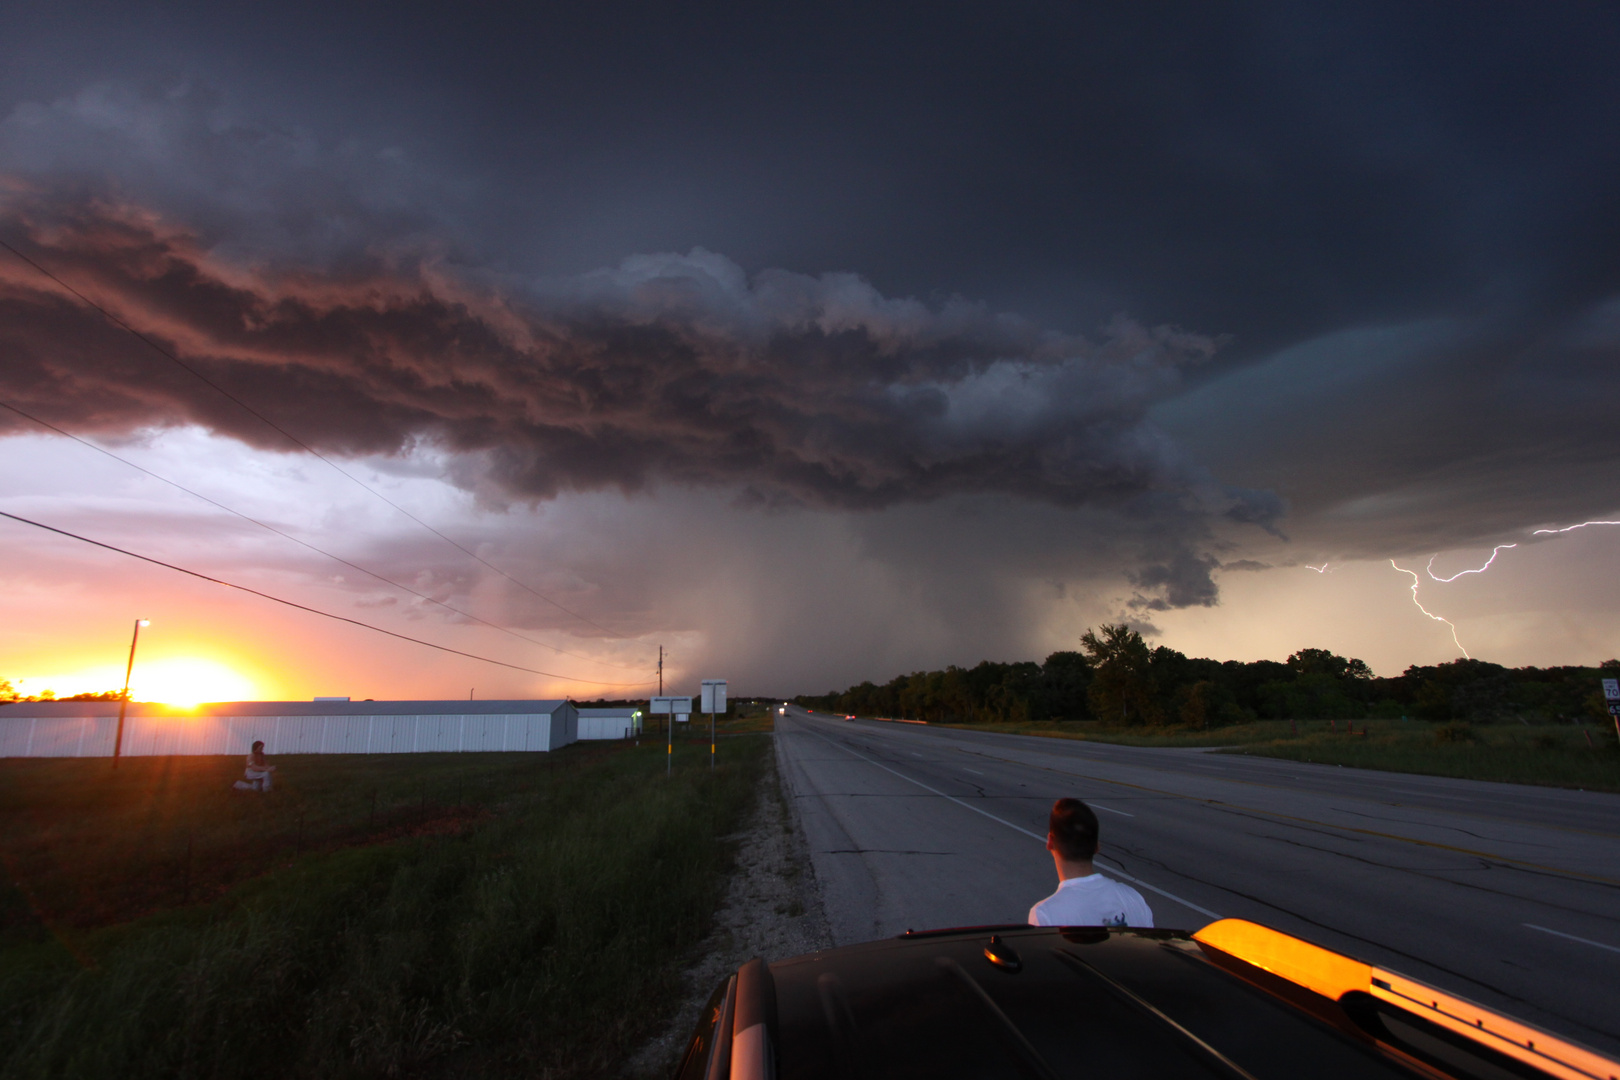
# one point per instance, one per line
(306, 607)
(295, 440)
(304, 543)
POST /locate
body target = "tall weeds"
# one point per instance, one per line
(540, 942)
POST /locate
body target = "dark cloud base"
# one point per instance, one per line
(785, 388)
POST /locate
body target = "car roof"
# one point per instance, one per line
(1021, 1001)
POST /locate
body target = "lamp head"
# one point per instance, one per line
(143, 622)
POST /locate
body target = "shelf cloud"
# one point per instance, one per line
(785, 388)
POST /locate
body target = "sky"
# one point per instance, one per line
(811, 343)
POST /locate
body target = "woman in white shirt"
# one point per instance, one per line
(258, 770)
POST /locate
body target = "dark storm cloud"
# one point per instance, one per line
(1400, 222)
(1431, 434)
(667, 369)
(1268, 171)
(1183, 580)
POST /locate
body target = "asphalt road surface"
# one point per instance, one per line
(1504, 893)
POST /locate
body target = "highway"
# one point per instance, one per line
(1507, 894)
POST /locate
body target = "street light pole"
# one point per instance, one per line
(123, 701)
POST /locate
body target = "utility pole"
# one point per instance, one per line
(669, 719)
(123, 702)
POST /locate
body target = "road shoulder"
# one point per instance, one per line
(773, 909)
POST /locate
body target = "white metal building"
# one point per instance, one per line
(87, 728)
(617, 723)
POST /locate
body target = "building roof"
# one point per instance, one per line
(621, 712)
(22, 710)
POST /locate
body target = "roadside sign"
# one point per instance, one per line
(1611, 690)
(681, 707)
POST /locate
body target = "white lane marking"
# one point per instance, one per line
(1110, 809)
(975, 772)
(1572, 937)
(1015, 828)
(1430, 795)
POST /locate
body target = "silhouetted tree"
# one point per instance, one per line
(1122, 688)
(1120, 679)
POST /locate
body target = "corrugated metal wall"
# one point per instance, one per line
(158, 736)
(605, 727)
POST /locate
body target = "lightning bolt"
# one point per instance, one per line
(1495, 551)
(1416, 581)
(1571, 528)
(1481, 570)
(1319, 569)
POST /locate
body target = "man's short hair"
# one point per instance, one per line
(1073, 826)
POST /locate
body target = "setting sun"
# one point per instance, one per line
(186, 681)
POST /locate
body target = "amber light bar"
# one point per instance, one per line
(1333, 975)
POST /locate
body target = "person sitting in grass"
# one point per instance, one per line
(258, 770)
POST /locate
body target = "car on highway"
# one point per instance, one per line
(1236, 1000)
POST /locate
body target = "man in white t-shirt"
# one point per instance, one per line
(1084, 897)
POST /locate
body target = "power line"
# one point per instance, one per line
(295, 440)
(305, 543)
(305, 607)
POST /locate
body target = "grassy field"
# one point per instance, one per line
(445, 915)
(750, 718)
(1557, 755)
(745, 719)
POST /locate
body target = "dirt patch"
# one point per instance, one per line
(772, 909)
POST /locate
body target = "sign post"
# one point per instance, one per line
(1611, 693)
(674, 708)
(714, 700)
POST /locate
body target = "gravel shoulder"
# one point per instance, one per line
(773, 909)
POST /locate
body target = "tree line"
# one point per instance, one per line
(9, 692)
(1118, 678)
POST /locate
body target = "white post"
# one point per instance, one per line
(714, 700)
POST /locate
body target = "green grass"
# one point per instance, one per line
(496, 915)
(1555, 755)
(744, 719)
(749, 719)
